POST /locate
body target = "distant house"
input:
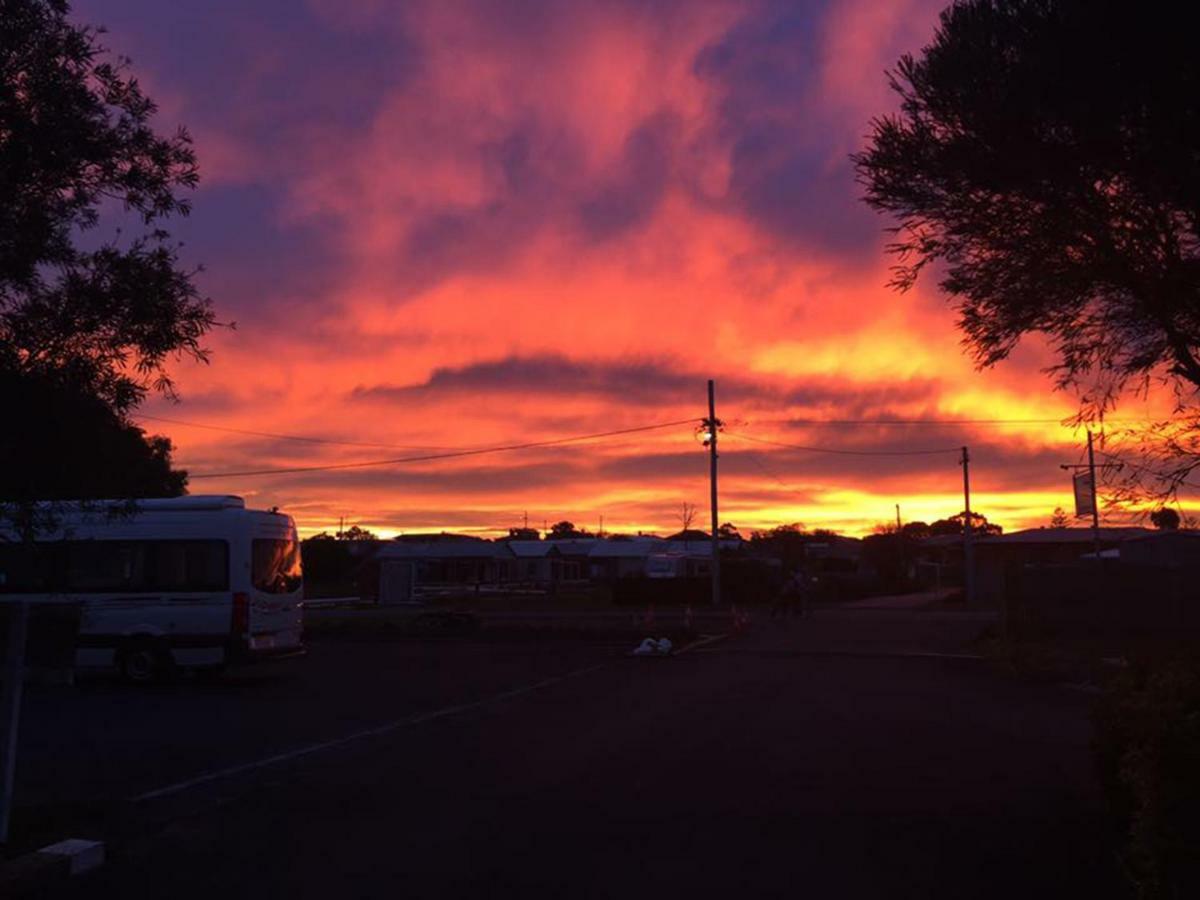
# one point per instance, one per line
(1163, 550)
(468, 562)
(995, 555)
(835, 555)
(537, 562)
(610, 560)
(687, 558)
(1051, 581)
(574, 557)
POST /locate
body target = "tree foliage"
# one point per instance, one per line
(59, 444)
(1165, 519)
(90, 313)
(564, 530)
(75, 135)
(954, 525)
(1046, 156)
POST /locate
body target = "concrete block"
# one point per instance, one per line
(81, 856)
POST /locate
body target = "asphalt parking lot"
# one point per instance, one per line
(849, 754)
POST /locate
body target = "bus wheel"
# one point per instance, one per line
(143, 662)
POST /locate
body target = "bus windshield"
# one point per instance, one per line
(275, 565)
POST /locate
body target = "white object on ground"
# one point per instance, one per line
(648, 647)
(664, 646)
(82, 856)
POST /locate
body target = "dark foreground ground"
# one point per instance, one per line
(829, 758)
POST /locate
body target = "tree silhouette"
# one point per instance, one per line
(355, 533)
(1165, 519)
(1047, 157)
(69, 445)
(1059, 518)
(98, 318)
(954, 525)
(564, 530)
(686, 516)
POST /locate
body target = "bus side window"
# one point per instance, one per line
(102, 566)
(189, 566)
(27, 568)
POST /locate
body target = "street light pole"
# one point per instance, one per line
(1095, 505)
(968, 545)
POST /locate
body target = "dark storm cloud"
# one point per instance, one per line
(647, 382)
(786, 176)
(632, 193)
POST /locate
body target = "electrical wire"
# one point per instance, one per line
(1065, 421)
(843, 452)
(288, 437)
(934, 422)
(767, 470)
(308, 439)
(451, 455)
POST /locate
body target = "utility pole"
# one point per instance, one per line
(1095, 505)
(713, 425)
(968, 546)
(897, 518)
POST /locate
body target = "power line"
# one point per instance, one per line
(937, 422)
(452, 455)
(841, 452)
(769, 472)
(308, 439)
(940, 423)
(288, 437)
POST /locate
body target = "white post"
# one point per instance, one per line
(10, 706)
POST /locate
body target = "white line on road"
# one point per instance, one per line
(378, 730)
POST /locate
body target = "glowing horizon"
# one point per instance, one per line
(451, 226)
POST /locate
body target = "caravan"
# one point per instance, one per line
(191, 582)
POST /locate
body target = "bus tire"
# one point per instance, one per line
(143, 661)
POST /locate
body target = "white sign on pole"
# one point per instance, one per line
(1084, 505)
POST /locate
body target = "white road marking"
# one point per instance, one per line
(377, 731)
(701, 642)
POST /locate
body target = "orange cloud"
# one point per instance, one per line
(478, 228)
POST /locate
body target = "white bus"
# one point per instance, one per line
(192, 582)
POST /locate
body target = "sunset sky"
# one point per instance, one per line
(463, 224)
